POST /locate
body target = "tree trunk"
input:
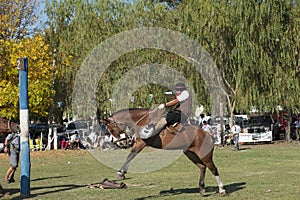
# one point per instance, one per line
(288, 127)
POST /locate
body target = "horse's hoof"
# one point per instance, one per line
(120, 176)
(222, 192)
(202, 191)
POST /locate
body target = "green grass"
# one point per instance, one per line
(270, 171)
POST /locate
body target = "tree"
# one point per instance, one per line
(242, 37)
(17, 18)
(239, 35)
(39, 78)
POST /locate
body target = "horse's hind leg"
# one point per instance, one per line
(196, 160)
(211, 166)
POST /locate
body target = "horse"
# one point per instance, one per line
(196, 144)
(7, 126)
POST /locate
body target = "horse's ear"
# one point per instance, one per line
(110, 119)
(107, 120)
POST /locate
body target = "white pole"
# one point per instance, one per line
(49, 139)
(55, 137)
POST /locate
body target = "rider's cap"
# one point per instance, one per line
(180, 86)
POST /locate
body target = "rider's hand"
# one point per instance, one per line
(5, 149)
(161, 106)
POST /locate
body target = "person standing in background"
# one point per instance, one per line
(12, 147)
(236, 130)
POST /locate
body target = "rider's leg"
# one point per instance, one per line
(152, 129)
(160, 124)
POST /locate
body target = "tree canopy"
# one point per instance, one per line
(254, 44)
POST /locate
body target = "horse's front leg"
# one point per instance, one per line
(137, 148)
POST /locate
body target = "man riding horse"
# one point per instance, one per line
(180, 114)
(197, 144)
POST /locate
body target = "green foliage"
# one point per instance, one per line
(255, 45)
(39, 78)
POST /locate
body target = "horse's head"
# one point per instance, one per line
(7, 126)
(117, 130)
(113, 128)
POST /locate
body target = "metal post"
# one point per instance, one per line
(24, 120)
(222, 123)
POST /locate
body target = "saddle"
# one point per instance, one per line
(108, 184)
(175, 128)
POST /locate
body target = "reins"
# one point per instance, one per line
(138, 121)
(135, 124)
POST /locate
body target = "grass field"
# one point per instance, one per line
(270, 171)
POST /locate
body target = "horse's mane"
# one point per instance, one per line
(129, 109)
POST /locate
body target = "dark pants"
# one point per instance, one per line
(175, 116)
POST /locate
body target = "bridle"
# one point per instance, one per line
(8, 126)
(114, 123)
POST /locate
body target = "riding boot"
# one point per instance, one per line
(152, 129)
(160, 125)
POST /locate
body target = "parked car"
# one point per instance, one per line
(260, 124)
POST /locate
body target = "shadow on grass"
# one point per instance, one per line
(45, 178)
(49, 190)
(209, 191)
(244, 148)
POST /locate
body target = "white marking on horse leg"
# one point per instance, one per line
(220, 184)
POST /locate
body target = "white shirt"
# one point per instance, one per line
(108, 138)
(236, 129)
(206, 127)
(73, 138)
(183, 96)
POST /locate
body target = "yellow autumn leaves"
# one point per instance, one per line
(40, 76)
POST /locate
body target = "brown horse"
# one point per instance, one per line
(196, 144)
(7, 126)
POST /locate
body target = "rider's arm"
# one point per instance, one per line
(182, 97)
(172, 103)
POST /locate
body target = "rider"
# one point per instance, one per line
(183, 102)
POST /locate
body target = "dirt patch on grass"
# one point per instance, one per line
(50, 154)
